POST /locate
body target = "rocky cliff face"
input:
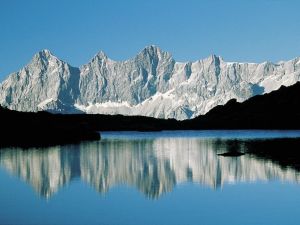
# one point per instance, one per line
(150, 84)
(46, 83)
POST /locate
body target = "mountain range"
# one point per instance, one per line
(150, 84)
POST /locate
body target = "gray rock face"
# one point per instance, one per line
(150, 84)
(46, 83)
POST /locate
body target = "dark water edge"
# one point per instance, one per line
(284, 151)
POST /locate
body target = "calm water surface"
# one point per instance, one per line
(148, 178)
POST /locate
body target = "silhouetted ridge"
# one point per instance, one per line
(276, 110)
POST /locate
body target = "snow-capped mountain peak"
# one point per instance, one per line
(44, 55)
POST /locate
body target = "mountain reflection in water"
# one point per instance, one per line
(154, 166)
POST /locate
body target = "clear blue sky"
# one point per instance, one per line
(238, 30)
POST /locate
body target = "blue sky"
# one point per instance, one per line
(238, 30)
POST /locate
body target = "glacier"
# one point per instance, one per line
(150, 84)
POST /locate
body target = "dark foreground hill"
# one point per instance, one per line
(277, 110)
(41, 129)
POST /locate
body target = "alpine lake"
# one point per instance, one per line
(153, 178)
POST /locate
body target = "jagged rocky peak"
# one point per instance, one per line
(46, 83)
(44, 55)
(100, 56)
(153, 51)
(42, 60)
(213, 60)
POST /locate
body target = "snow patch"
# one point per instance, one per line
(108, 104)
(45, 102)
